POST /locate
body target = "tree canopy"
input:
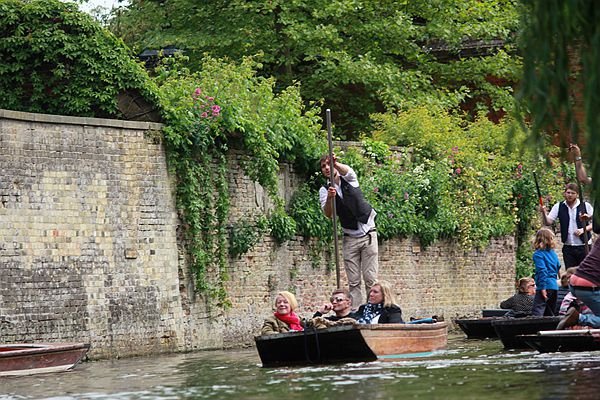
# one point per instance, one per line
(58, 60)
(561, 78)
(358, 56)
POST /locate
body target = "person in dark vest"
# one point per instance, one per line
(574, 218)
(357, 217)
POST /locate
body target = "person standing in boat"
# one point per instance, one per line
(547, 266)
(340, 304)
(521, 303)
(574, 224)
(283, 319)
(584, 284)
(381, 307)
(357, 217)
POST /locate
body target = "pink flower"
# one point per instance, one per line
(376, 189)
(204, 115)
(405, 195)
(197, 92)
(457, 171)
(455, 149)
(210, 98)
(216, 109)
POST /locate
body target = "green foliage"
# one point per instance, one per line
(245, 233)
(457, 180)
(360, 56)
(560, 78)
(376, 150)
(283, 227)
(207, 112)
(58, 60)
(306, 211)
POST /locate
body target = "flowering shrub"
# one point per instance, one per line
(205, 113)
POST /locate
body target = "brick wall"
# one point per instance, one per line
(89, 252)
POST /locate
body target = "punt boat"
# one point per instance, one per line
(350, 343)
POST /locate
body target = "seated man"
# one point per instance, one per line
(341, 305)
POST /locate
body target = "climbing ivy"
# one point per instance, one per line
(206, 113)
(58, 60)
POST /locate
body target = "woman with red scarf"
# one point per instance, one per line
(283, 319)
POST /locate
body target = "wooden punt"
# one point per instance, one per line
(494, 312)
(478, 328)
(28, 358)
(350, 343)
(563, 341)
(509, 329)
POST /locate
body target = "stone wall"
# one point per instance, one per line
(89, 252)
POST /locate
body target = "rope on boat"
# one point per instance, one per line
(318, 345)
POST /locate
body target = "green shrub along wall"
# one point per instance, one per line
(89, 248)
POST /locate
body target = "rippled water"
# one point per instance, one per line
(467, 370)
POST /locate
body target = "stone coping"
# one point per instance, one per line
(65, 119)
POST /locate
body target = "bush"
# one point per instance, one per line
(57, 60)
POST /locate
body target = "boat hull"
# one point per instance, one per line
(391, 339)
(494, 312)
(478, 328)
(350, 343)
(510, 329)
(27, 359)
(563, 341)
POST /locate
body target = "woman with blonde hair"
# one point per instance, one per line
(381, 307)
(284, 319)
(547, 266)
(521, 304)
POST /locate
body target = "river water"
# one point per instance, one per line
(468, 369)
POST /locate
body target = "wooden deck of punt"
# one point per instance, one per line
(37, 358)
(350, 343)
(564, 340)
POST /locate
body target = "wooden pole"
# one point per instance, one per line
(333, 210)
(540, 198)
(581, 198)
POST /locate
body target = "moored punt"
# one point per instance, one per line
(478, 328)
(563, 341)
(350, 343)
(509, 329)
(28, 358)
(494, 312)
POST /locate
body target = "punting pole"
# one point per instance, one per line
(581, 198)
(570, 332)
(539, 194)
(333, 210)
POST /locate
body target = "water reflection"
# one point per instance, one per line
(467, 370)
